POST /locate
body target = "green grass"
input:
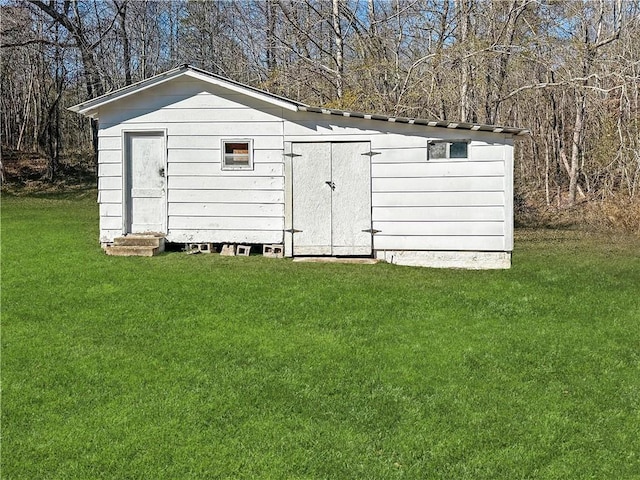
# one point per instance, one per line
(197, 366)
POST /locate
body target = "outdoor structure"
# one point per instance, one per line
(202, 159)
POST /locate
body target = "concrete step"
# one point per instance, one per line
(132, 250)
(140, 241)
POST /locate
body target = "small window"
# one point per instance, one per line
(440, 149)
(237, 154)
(458, 150)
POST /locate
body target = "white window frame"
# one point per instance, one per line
(223, 154)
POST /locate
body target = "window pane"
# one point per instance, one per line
(458, 150)
(236, 148)
(438, 150)
(232, 159)
(237, 154)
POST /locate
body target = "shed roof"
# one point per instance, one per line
(90, 107)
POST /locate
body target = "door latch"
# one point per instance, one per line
(331, 184)
(161, 171)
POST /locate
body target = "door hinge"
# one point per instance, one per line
(371, 154)
(292, 155)
(372, 231)
(292, 230)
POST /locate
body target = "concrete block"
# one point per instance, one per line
(273, 251)
(201, 247)
(228, 250)
(243, 250)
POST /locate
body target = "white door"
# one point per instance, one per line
(312, 199)
(351, 199)
(145, 182)
(331, 199)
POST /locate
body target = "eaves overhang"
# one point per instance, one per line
(419, 121)
(91, 107)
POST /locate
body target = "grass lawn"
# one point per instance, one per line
(200, 366)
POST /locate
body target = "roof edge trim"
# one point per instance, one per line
(239, 88)
(419, 121)
(89, 107)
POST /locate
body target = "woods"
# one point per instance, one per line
(568, 70)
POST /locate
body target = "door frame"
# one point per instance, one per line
(289, 157)
(126, 190)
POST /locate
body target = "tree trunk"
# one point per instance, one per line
(126, 47)
(576, 142)
(339, 46)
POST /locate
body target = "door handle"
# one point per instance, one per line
(331, 184)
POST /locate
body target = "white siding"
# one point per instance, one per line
(438, 199)
(438, 170)
(109, 148)
(226, 209)
(110, 190)
(223, 182)
(214, 127)
(212, 169)
(204, 202)
(225, 236)
(110, 196)
(438, 214)
(440, 228)
(109, 169)
(440, 204)
(208, 141)
(188, 195)
(439, 184)
(452, 242)
(418, 204)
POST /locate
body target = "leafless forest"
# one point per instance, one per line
(568, 70)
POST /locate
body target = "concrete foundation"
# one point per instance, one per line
(464, 260)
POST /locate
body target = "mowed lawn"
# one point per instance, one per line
(200, 366)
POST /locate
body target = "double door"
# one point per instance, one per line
(331, 198)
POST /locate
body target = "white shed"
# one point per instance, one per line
(202, 159)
